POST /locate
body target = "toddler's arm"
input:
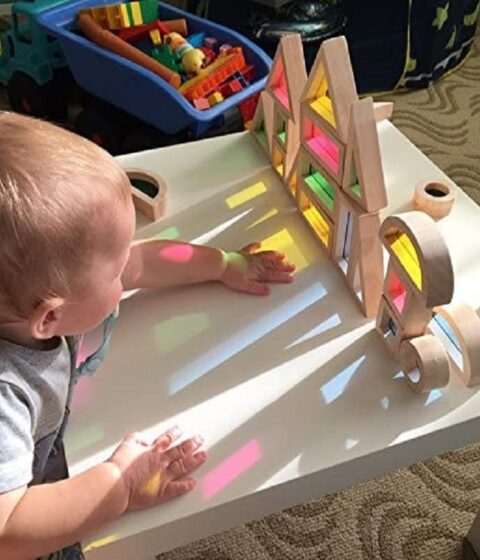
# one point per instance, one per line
(162, 264)
(42, 519)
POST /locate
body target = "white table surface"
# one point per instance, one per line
(295, 394)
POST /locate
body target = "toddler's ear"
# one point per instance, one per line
(44, 318)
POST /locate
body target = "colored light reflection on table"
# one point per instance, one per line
(246, 195)
(170, 233)
(177, 253)
(228, 471)
(283, 241)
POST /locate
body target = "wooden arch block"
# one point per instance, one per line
(425, 363)
(415, 242)
(153, 206)
(465, 326)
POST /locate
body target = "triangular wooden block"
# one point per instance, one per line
(262, 123)
(330, 89)
(288, 76)
(363, 178)
(365, 265)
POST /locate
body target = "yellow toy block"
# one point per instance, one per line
(137, 13)
(215, 98)
(155, 37)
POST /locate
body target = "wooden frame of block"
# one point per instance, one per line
(152, 207)
(426, 357)
(364, 160)
(389, 328)
(383, 110)
(264, 115)
(465, 325)
(331, 85)
(313, 213)
(290, 61)
(415, 242)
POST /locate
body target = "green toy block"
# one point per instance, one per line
(149, 9)
(164, 55)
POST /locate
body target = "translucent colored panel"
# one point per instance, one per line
(282, 95)
(406, 254)
(322, 188)
(397, 292)
(323, 107)
(318, 223)
(282, 136)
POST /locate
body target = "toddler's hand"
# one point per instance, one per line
(247, 271)
(154, 473)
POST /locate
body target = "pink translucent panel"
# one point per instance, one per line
(322, 146)
(282, 95)
(225, 473)
(397, 291)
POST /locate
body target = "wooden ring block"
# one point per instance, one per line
(426, 357)
(465, 324)
(152, 207)
(434, 198)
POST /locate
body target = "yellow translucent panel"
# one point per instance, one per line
(283, 241)
(406, 253)
(323, 107)
(279, 168)
(246, 194)
(323, 88)
(318, 223)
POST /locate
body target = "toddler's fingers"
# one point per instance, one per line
(135, 437)
(183, 450)
(165, 440)
(183, 467)
(271, 255)
(278, 265)
(177, 488)
(251, 248)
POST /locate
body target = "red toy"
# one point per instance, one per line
(210, 55)
(230, 88)
(248, 107)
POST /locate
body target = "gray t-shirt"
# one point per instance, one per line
(34, 388)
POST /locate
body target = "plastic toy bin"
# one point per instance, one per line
(137, 90)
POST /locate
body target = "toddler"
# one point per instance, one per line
(66, 254)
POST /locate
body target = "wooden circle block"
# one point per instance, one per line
(465, 324)
(425, 363)
(151, 204)
(435, 198)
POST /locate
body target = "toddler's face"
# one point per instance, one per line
(102, 289)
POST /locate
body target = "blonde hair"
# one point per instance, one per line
(58, 194)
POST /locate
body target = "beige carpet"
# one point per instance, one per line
(420, 513)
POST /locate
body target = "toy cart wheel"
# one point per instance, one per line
(95, 126)
(26, 96)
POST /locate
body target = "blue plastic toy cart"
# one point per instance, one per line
(137, 91)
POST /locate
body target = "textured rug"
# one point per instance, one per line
(419, 513)
(444, 122)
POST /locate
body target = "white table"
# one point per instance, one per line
(295, 393)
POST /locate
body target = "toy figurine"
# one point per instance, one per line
(192, 59)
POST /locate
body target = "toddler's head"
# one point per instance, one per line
(66, 224)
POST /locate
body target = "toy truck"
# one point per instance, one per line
(51, 70)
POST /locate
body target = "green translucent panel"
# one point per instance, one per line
(262, 137)
(322, 188)
(282, 136)
(356, 190)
